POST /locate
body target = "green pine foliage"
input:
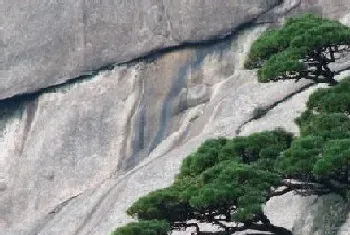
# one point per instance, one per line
(335, 158)
(153, 227)
(326, 125)
(210, 178)
(249, 149)
(298, 49)
(334, 100)
(206, 156)
(158, 205)
(322, 149)
(301, 157)
(233, 184)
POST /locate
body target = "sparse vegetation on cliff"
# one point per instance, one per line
(303, 48)
(152, 227)
(322, 153)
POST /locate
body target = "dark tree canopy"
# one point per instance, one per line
(326, 125)
(335, 159)
(302, 48)
(152, 227)
(223, 177)
(301, 157)
(322, 153)
(335, 100)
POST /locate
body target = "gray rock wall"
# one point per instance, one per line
(69, 141)
(314, 215)
(74, 157)
(48, 42)
(98, 129)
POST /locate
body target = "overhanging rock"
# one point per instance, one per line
(48, 42)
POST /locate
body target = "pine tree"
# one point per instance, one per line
(303, 48)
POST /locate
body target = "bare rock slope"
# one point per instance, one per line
(75, 156)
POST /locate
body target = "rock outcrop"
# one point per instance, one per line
(321, 215)
(75, 156)
(48, 42)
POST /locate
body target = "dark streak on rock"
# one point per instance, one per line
(93, 210)
(272, 106)
(31, 108)
(52, 214)
(59, 207)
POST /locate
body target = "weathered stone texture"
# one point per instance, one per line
(74, 157)
(313, 215)
(47, 42)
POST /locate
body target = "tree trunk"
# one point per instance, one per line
(329, 76)
(270, 228)
(332, 81)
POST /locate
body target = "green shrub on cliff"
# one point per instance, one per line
(335, 160)
(328, 126)
(301, 157)
(152, 227)
(322, 151)
(302, 48)
(222, 174)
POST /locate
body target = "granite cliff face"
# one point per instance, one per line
(74, 156)
(49, 42)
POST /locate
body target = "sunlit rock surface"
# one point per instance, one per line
(47, 42)
(314, 215)
(74, 157)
